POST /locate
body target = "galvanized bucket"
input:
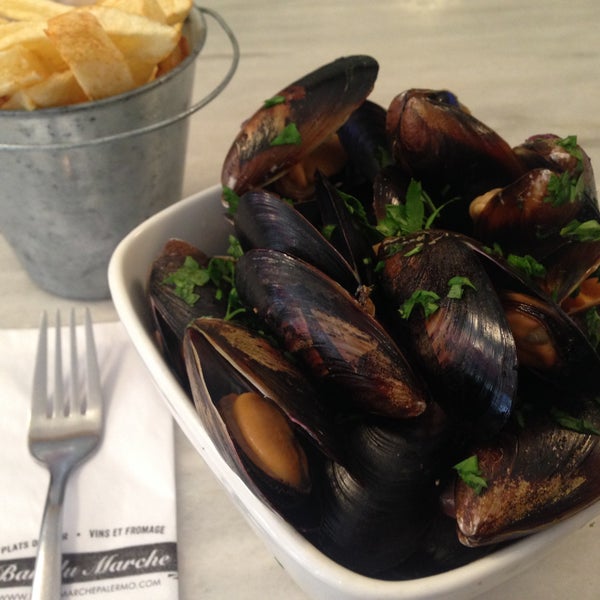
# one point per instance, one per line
(75, 180)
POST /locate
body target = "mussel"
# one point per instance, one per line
(365, 363)
(318, 321)
(296, 121)
(464, 343)
(239, 378)
(454, 155)
(536, 473)
(376, 509)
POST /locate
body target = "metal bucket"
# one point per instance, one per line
(75, 180)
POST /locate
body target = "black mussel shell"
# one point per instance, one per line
(263, 220)
(537, 472)
(328, 330)
(465, 347)
(317, 104)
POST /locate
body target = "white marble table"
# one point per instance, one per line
(523, 67)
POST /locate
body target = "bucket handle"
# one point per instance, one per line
(165, 122)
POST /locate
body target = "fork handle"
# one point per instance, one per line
(47, 578)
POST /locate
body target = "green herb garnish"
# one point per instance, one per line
(527, 265)
(564, 188)
(220, 271)
(274, 101)
(232, 200)
(186, 278)
(588, 231)
(577, 424)
(569, 143)
(408, 217)
(457, 286)
(428, 300)
(468, 471)
(288, 135)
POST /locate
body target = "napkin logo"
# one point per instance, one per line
(92, 566)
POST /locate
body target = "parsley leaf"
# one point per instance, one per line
(569, 143)
(274, 101)
(288, 135)
(232, 200)
(578, 424)
(457, 286)
(527, 265)
(468, 471)
(220, 271)
(588, 231)
(424, 298)
(408, 217)
(186, 278)
(564, 188)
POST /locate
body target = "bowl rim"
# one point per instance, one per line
(288, 545)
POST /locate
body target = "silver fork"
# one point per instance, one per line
(64, 430)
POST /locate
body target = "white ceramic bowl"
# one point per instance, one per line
(200, 220)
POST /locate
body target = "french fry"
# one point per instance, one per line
(98, 65)
(170, 62)
(32, 35)
(58, 53)
(150, 9)
(138, 38)
(19, 68)
(58, 89)
(175, 10)
(31, 10)
(20, 100)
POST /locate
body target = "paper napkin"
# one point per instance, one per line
(120, 513)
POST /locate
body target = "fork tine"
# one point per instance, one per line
(75, 405)
(59, 392)
(39, 396)
(93, 389)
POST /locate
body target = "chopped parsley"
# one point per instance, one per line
(408, 217)
(457, 286)
(564, 188)
(577, 424)
(567, 187)
(274, 101)
(468, 470)
(186, 278)
(288, 135)
(588, 231)
(219, 271)
(569, 143)
(527, 265)
(428, 300)
(232, 200)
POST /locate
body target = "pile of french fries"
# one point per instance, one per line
(56, 54)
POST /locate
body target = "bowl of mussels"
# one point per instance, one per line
(381, 332)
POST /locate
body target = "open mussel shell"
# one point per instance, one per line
(537, 473)
(225, 360)
(439, 143)
(341, 345)
(465, 347)
(317, 104)
(549, 342)
(263, 220)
